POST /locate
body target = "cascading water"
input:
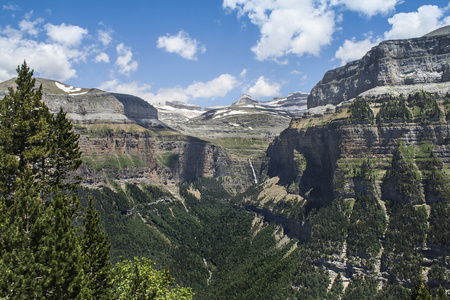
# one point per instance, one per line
(253, 171)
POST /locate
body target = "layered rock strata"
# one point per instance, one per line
(417, 61)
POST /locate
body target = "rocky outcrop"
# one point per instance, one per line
(103, 107)
(392, 63)
(142, 157)
(88, 106)
(183, 105)
(324, 147)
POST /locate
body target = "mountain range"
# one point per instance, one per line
(343, 193)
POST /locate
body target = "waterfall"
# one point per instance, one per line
(253, 171)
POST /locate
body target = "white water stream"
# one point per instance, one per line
(253, 171)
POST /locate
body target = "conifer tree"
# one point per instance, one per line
(96, 247)
(20, 274)
(61, 255)
(23, 126)
(65, 154)
(41, 254)
(421, 291)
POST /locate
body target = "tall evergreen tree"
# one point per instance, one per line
(96, 247)
(20, 273)
(23, 127)
(40, 248)
(61, 254)
(65, 154)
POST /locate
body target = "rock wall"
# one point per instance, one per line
(324, 146)
(142, 157)
(97, 106)
(396, 62)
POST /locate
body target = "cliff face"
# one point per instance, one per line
(143, 157)
(97, 106)
(327, 147)
(88, 106)
(397, 62)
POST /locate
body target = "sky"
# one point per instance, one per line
(204, 52)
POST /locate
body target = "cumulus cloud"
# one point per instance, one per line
(181, 44)
(264, 88)
(125, 60)
(49, 60)
(102, 57)
(28, 26)
(55, 58)
(353, 49)
(217, 87)
(299, 27)
(67, 35)
(287, 27)
(104, 36)
(131, 88)
(370, 7)
(415, 24)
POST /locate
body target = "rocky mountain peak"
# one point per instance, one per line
(415, 62)
(87, 106)
(245, 99)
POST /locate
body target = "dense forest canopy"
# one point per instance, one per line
(50, 248)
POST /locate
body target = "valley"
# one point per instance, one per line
(347, 198)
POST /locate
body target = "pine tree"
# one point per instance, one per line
(421, 291)
(61, 254)
(19, 273)
(40, 248)
(65, 154)
(96, 247)
(23, 126)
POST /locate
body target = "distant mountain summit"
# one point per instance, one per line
(89, 106)
(417, 63)
(246, 99)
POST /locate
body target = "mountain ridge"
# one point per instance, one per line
(405, 62)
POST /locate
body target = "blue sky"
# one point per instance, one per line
(206, 52)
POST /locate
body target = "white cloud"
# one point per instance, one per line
(67, 35)
(370, 7)
(102, 57)
(125, 62)
(104, 36)
(12, 7)
(415, 24)
(243, 73)
(181, 44)
(131, 88)
(217, 87)
(49, 60)
(353, 50)
(264, 88)
(30, 26)
(287, 27)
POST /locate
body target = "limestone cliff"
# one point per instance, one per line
(327, 147)
(87, 106)
(141, 156)
(406, 62)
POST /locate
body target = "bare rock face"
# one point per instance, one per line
(325, 147)
(392, 63)
(88, 106)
